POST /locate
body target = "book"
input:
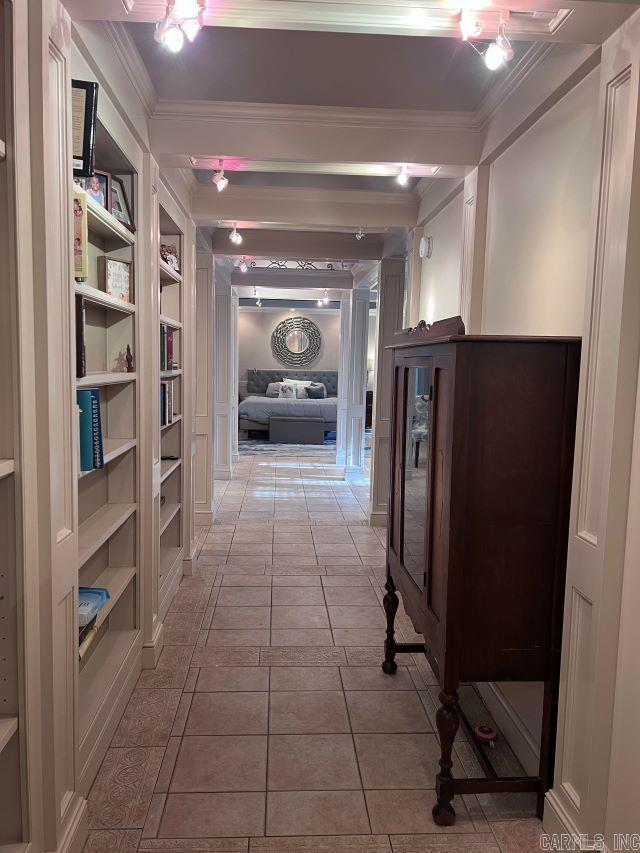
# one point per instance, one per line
(83, 399)
(80, 235)
(81, 350)
(163, 347)
(96, 430)
(115, 277)
(91, 599)
(169, 349)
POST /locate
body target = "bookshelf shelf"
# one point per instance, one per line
(168, 274)
(7, 467)
(94, 379)
(167, 513)
(100, 671)
(99, 297)
(167, 467)
(170, 374)
(116, 579)
(171, 323)
(112, 448)
(176, 419)
(8, 727)
(168, 558)
(100, 527)
(101, 222)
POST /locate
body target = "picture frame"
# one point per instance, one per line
(84, 111)
(97, 187)
(119, 206)
(115, 277)
(170, 250)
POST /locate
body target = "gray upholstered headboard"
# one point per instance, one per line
(257, 380)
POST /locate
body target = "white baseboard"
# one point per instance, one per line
(203, 518)
(378, 519)
(151, 651)
(75, 828)
(517, 734)
(223, 473)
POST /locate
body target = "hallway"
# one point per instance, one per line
(268, 724)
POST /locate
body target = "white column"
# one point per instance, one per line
(595, 786)
(343, 378)
(204, 414)
(235, 349)
(357, 393)
(414, 279)
(474, 232)
(390, 303)
(225, 393)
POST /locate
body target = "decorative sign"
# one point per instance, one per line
(115, 277)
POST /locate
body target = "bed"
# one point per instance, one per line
(295, 421)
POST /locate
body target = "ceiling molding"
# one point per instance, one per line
(201, 192)
(297, 115)
(127, 52)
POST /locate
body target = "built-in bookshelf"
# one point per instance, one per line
(107, 338)
(170, 283)
(13, 823)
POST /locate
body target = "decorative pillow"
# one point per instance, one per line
(300, 385)
(287, 391)
(273, 389)
(316, 391)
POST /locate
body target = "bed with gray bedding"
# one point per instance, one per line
(256, 409)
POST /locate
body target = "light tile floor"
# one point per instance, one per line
(268, 725)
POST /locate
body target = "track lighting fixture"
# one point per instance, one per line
(235, 236)
(499, 51)
(219, 179)
(319, 303)
(182, 19)
(257, 297)
(403, 176)
(470, 26)
(242, 266)
(325, 298)
(360, 233)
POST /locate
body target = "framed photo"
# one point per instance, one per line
(84, 105)
(97, 187)
(170, 250)
(119, 203)
(114, 275)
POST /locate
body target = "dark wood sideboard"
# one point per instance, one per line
(481, 467)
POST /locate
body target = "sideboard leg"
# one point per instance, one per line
(447, 721)
(390, 602)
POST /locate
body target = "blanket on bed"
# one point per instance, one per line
(261, 409)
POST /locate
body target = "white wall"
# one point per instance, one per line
(540, 194)
(440, 274)
(254, 333)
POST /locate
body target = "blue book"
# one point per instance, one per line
(96, 430)
(91, 599)
(86, 433)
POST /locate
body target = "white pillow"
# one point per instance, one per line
(300, 385)
(287, 391)
(273, 389)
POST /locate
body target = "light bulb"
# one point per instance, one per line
(403, 176)
(191, 28)
(319, 303)
(220, 181)
(326, 297)
(292, 308)
(173, 38)
(470, 26)
(235, 237)
(243, 266)
(494, 57)
(360, 233)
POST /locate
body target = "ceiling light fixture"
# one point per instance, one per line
(319, 303)
(257, 297)
(403, 176)
(243, 266)
(182, 19)
(219, 179)
(325, 298)
(360, 233)
(499, 51)
(235, 236)
(470, 26)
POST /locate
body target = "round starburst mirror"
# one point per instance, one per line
(296, 342)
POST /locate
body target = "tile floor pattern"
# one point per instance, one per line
(268, 725)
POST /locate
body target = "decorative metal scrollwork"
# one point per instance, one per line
(296, 341)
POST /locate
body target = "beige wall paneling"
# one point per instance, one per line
(390, 303)
(474, 231)
(149, 425)
(441, 273)
(225, 405)
(205, 412)
(20, 752)
(175, 437)
(414, 279)
(600, 504)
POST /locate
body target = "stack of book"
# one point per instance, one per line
(166, 403)
(91, 449)
(166, 348)
(90, 601)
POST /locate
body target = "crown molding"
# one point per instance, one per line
(124, 47)
(294, 114)
(303, 194)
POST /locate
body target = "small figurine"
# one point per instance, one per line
(129, 359)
